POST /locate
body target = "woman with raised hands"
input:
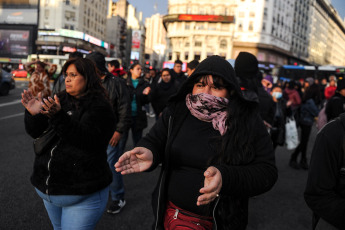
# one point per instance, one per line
(214, 149)
(71, 173)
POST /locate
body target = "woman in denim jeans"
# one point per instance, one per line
(71, 174)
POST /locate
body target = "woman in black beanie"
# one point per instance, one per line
(214, 149)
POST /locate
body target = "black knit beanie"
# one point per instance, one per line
(246, 65)
(99, 60)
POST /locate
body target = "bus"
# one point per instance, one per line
(293, 72)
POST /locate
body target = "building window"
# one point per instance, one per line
(186, 56)
(197, 57)
(198, 44)
(187, 26)
(199, 26)
(251, 26)
(187, 44)
(263, 26)
(241, 14)
(252, 14)
(240, 26)
(223, 44)
(46, 14)
(67, 2)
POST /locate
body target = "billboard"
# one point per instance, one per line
(18, 16)
(198, 18)
(14, 43)
(135, 55)
(136, 36)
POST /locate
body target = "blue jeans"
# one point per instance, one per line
(117, 189)
(80, 212)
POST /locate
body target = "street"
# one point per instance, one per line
(282, 208)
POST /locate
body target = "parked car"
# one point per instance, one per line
(6, 82)
(20, 73)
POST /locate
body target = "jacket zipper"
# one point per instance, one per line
(214, 216)
(47, 181)
(163, 174)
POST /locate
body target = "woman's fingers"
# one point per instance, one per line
(212, 186)
(57, 99)
(206, 198)
(39, 97)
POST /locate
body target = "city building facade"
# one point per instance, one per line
(87, 16)
(69, 26)
(277, 32)
(135, 38)
(197, 29)
(327, 35)
(301, 31)
(264, 28)
(155, 44)
(117, 36)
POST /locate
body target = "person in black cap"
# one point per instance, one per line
(120, 99)
(247, 70)
(336, 104)
(214, 149)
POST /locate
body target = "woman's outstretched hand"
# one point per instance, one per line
(51, 106)
(32, 104)
(136, 160)
(212, 186)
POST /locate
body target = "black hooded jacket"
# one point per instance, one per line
(77, 164)
(249, 176)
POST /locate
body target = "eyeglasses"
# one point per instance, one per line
(72, 76)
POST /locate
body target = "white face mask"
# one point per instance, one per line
(277, 95)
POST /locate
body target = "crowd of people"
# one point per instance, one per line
(216, 132)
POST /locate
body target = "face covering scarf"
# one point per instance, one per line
(209, 108)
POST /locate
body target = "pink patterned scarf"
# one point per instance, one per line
(209, 108)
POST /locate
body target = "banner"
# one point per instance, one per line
(136, 35)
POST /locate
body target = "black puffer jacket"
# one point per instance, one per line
(141, 99)
(240, 180)
(77, 165)
(119, 96)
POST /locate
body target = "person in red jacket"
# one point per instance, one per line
(292, 96)
(330, 89)
(114, 68)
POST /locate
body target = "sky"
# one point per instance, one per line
(339, 5)
(148, 9)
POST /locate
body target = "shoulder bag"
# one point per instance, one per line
(47, 140)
